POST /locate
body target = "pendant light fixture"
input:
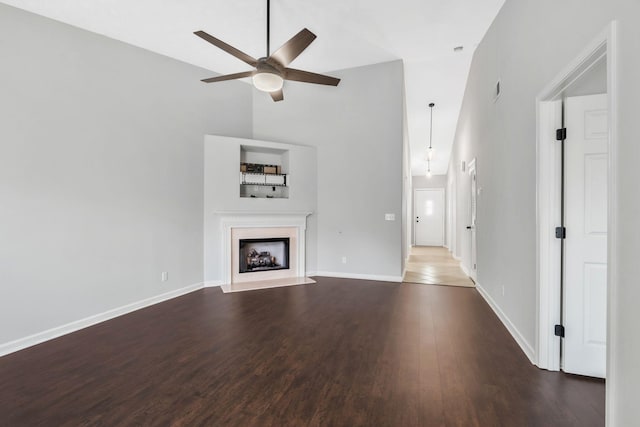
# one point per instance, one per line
(430, 149)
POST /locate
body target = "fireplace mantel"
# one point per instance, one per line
(252, 219)
(257, 216)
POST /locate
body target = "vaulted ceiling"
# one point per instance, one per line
(351, 33)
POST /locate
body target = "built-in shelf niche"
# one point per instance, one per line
(264, 185)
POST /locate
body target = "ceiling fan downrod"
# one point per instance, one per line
(268, 27)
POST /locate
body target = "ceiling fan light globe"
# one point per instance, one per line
(267, 82)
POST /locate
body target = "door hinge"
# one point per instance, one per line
(561, 134)
(561, 233)
(559, 331)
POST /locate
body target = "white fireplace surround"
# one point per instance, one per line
(231, 220)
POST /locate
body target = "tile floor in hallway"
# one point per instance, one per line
(433, 265)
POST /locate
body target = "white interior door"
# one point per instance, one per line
(429, 217)
(585, 246)
(473, 208)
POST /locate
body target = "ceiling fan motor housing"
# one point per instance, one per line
(267, 78)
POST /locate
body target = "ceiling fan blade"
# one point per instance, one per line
(227, 48)
(277, 96)
(308, 77)
(294, 47)
(228, 77)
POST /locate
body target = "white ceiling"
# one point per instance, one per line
(350, 33)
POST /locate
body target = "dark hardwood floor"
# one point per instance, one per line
(337, 353)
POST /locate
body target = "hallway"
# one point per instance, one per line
(430, 265)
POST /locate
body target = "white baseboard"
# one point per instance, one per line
(212, 283)
(404, 266)
(375, 277)
(40, 337)
(457, 258)
(464, 269)
(515, 333)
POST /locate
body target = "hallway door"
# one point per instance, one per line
(585, 245)
(428, 206)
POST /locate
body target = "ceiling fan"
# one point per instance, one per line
(271, 71)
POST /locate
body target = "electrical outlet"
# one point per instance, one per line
(165, 276)
(344, 259)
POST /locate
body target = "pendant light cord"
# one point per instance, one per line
(429, 152)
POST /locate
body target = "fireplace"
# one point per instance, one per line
(270, 227)
(263, 254)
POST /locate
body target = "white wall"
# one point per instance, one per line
(222, 194)
(101, 172)
(357, 129)
(525, 55)
(436, 181)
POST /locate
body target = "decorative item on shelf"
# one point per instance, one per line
(269, 169)
(250, 178)
(260, 168)
(270, 180)
(275, 179)
(263, 181)
(430, 148)
(251, 168)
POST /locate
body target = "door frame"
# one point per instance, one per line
(453, 218)
(444, 211)
(548, 201)
(473, 243)
(448, 216)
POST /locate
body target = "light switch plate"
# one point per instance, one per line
(389, 217)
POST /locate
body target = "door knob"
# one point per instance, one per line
(468, 227)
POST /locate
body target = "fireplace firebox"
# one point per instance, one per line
(264, 254)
